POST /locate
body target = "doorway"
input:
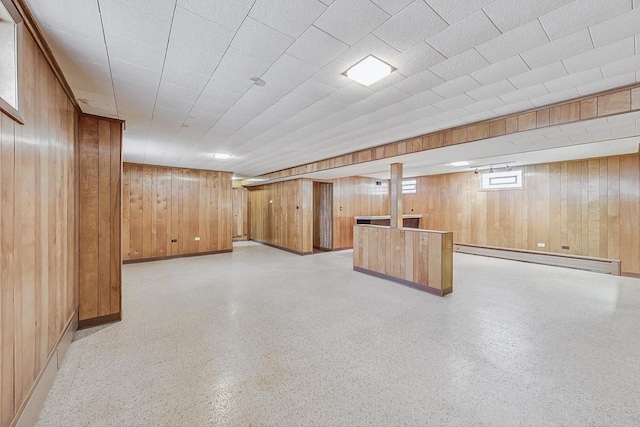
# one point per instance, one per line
(322, 216)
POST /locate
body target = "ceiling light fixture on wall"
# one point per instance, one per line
(460, 163)
(222, 156)
(369, 70)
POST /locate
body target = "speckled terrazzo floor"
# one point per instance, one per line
(264, 337)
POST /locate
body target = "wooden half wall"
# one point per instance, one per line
(38, 229)
(281, 215)
(171, 212)
(584, 207)
(100, 195)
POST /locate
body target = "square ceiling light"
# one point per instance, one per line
(369, 70)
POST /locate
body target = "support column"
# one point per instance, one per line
(396, 195)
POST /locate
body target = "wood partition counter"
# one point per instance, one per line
(422, 259)
(408, 221)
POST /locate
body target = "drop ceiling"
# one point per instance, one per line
(179, 73)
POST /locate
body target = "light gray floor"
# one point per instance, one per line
(264, 337)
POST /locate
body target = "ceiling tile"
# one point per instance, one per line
(83, 22)
(424, 112)
(388, 96)
(72, 46)
(392, 6)
(419, 82)
(129, 51)
(416, 59)
(410, 26)
(352, 93)
(422, 99)
(459, 11)
(524, 94)
(190, 44)
(601, 56)
(135, 76)
(317, 47)
(231, 14)
(501, 70)
(513, 108)
(465, 63)
(242, 64)
(539, 75)
(285, 74)
(626, 65)
(454, 102)
(559, 49)
(456, 86)
(184, 78)
(492, 90)
(140, 26)
(509, 14)
(351, 20)
(464, 35)
(313, 89)
(520, 39)
(617, 28)
(606, 84)
(177, 92)
(485, 105)
(258, 40)
(291, 17)
(227, 82)
(579, 15)
(574, 80)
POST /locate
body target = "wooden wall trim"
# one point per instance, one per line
(604, 104)
(161, 258)
(33, 27)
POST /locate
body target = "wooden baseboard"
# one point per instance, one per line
(282, 247)
(160, 258)
(101, 320)
(418, 286)
(29, 411)
(599, 265)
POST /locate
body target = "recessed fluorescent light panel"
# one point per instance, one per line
(222, 156)
(461, 163)
(369, 70)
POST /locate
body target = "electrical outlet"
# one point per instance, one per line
(197, 239)
(541, 245)
(565, 247)
(174, 240)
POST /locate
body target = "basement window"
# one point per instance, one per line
(9, 20)
(408, 186)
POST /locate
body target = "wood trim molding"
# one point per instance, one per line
(97, 321)
(160, 258)
(604, 104)
(281, 247)
(31, 25)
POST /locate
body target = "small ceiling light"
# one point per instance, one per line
(461, 163)
(369, 70)
(258, 81)
(222, 156)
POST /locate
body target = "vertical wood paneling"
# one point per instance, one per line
(181, 204)
(281, 214)
(100, 142)
(355, 196)
(38, 250)
(591, 206)
(323, 215)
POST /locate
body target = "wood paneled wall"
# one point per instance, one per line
(355, 196)
(323, 215)
(240, 213)
(419, 258)
(162, 204)
(281, 214)
(38, 234)
(591, 206)
(100, 196)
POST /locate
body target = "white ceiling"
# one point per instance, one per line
(178, 72)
